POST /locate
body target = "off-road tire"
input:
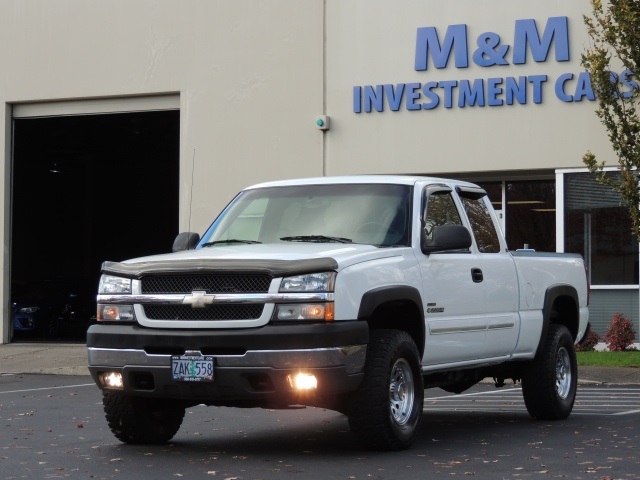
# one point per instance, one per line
(550, 382)
(386, 411)
(142, 420)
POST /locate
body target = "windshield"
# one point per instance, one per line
(375, 214)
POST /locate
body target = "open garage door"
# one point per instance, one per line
(86, 187)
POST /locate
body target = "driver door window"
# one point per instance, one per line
(441, 210)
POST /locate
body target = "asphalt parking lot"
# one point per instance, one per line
(53, 427)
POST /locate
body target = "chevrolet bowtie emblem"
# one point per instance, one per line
(198, 299)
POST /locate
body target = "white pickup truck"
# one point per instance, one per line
(348, 293)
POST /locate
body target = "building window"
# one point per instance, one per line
(531, 215)
(528, 213)
(598, 227)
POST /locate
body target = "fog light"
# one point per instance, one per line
(303, 381)
(112, 380)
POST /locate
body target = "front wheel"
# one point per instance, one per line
(549, 383)
(386, 411)
(142, 420)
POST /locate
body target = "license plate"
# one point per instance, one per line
(192, 369)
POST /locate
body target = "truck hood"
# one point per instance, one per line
(276, 259)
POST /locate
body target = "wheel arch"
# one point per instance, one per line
(561, 306)
(398, 307)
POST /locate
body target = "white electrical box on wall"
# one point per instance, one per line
(322, 122)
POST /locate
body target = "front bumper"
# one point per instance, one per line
(251, 365)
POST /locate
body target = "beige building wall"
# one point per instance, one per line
(374, 42)
(250, 76)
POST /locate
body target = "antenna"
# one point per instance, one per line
(193, 167)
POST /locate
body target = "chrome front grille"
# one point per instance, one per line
(216, 288)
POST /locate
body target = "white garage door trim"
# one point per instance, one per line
(97, 106)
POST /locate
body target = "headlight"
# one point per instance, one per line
(111, 284)
(310, 282)
(307, 283)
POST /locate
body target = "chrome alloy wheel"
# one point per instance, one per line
(563, 373)
(401, 392)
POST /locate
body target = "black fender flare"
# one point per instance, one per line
(551, 295)
(372, 299)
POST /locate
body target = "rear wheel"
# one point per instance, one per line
(142, 420)
(386, 411)
(549, 384)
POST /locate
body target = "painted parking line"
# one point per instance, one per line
(47, 388)
(600, 401)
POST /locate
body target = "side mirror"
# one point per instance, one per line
(447, 237)
(185, 241)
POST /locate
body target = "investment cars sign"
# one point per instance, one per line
(531, 41)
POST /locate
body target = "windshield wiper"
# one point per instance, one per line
(316, 239)
(230, 240)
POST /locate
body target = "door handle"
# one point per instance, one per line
(476, 275)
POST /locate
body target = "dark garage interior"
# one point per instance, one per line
(85, 189)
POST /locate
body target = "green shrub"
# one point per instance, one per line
(620, 335)
(588, 344)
